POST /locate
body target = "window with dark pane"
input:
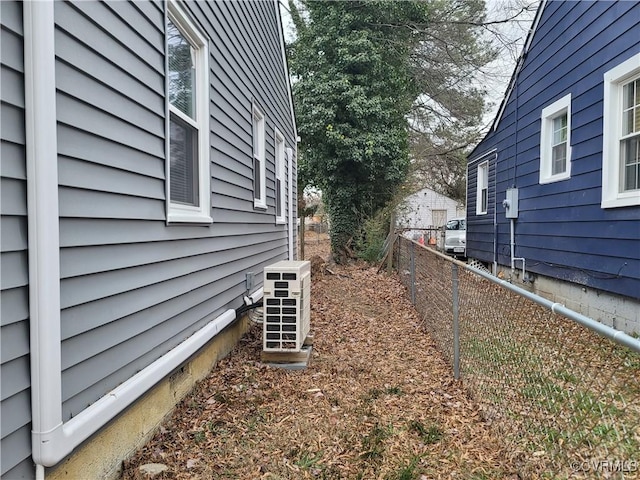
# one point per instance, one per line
(630, 143)
(258, 157)
(483, 188)
(559, 147)
(183, 162)
(183, 131)
(181, 71)
(279, 161)
(257, 184)
(278, 197)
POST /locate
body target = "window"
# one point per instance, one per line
(482, 195)
(630, 142)
(457, 224)
(438, 217)
(259, 168)
(188, 185)
(621, 135)
(555, 141)
(279, 155)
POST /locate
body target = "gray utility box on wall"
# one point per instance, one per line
(510, 203)
(287, 306)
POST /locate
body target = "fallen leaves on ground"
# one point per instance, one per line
(377, 401)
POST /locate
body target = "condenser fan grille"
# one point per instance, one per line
(287, 305)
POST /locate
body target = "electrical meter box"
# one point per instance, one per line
(511, 203)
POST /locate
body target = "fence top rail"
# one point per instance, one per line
(617, 336)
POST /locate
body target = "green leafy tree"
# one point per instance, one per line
(353, 91)
(361, 70)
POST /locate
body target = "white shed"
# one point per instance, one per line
(427, 209)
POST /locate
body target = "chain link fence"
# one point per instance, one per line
(565, 398)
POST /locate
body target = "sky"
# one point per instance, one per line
(513, 33)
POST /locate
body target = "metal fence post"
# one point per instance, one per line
(413, 273)
(456, 317)
(546, 393)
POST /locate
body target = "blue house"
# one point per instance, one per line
(553, 192)
(148, 176)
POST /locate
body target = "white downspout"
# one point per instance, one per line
(51, 439)
(44, 238)
(55, 446)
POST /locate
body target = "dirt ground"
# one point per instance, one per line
(376, 402)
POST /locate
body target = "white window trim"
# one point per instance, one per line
(290, 181)
(482, 166)
(177, 212)
(259, 201)
(612, 197)
(549, 114)
(279, 161)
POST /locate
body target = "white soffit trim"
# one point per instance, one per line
(483, 156)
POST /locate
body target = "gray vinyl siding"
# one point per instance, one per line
(132, 287)
(15, 429)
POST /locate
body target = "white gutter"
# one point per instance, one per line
(52, 440)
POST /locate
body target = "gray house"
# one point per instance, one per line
(148, 176)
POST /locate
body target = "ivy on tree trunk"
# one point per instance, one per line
(358, 69)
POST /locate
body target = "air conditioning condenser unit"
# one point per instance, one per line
(287, 306)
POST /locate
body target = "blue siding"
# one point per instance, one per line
(562, 231)
(480, 235)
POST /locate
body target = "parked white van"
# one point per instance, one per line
(455, 237)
